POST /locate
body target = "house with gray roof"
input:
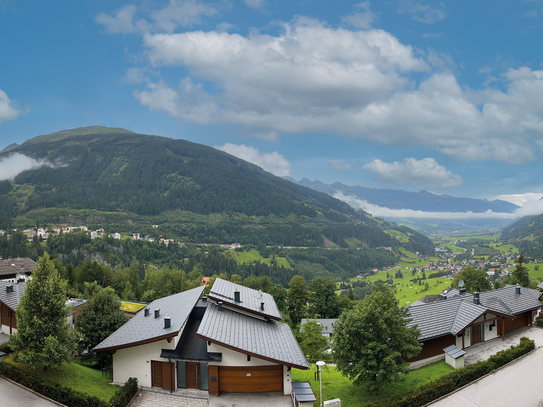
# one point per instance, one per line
(10, 295)
(327, 325)
(231, 341)
(14, 269)
(466, 319)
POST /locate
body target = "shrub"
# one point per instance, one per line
(5, 348)
(539, 321)
(447, 384)
(123, 396)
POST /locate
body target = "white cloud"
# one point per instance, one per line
(425, 173)
(409, 213)
(362, 17)
(422, 13)
(432, 35)
(271, 162)
(13, 165)
(340, 165)
(517, 74)
(7, 108)
(184, 13)
(520, 199)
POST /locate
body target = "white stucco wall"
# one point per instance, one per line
(488, 333)
(136, 362)
(5, 329)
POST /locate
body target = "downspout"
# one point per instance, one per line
(171, 382)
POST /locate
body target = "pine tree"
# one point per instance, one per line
(43, 334)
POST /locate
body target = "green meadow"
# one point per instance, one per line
(243, 257)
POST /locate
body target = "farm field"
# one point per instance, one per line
(244, 257)
(536, 274)
(408, 292)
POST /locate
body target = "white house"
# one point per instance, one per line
(232, 341)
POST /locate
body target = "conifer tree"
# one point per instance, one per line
(43, 334)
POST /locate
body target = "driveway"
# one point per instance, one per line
(273, 399)
(153, 398)
(16, 396)
(518, 384)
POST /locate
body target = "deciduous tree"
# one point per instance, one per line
(372, 341)
(297, 298)
(474, 280)
(314, 345)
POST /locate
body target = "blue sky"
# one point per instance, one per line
(444, 96)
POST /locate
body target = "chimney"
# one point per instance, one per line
(237, 296)
(517, 288)
(462, 291)
(9, 258)
(146, 312)
(261, 306)
(442, 297)
(167, 322)
(219, 305)
(476, 299)
(157, 313)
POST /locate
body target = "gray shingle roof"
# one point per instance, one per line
(327, 324)
(454, 351)
(13, 266)
(223, 290)
(452, 315)
(148, 328)
(11, 299)
(271, 340)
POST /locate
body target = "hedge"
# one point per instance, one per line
(453, 381)
(539, 321)
(66, 395)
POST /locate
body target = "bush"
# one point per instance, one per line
(123, 396)
(447, 384)
(539, 321)
(5, 348)
(67, 396)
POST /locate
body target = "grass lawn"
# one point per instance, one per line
(537, 274)
(253, 255)
(336, 386)
(131, 306)
(75, 376)
(452, 248)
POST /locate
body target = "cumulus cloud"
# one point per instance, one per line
(256, 4)
(7, 108)
(520, 199)
(424, 173)
(340, 165)
(362, 17)
(184, 13)
(13, 165)
(422, 12)
(273, 162)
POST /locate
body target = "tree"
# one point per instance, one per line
(279, 294)
(314, 345)
(297, 299)
(520, 274)
(372, 341)
(475, 280)
(324, 298)
(99, 318)
(43, 334)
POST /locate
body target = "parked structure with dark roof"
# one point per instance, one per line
(466, 319)
(232, 341)
(12, 270)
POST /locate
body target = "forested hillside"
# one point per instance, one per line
(126, 182)
(527, 235)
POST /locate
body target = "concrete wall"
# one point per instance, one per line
(457, 363)
(136, 362)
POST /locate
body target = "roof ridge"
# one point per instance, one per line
(456, 314)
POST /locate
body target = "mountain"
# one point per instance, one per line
(419, 201)
(527, 235)
(9, 148)
(127, 182)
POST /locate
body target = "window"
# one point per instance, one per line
(248, 358)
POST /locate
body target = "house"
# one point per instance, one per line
(326, 324)
(11, 270)
(231, 341)
(466, 319)
(10, 295)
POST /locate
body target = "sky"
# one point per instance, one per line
(445, 96)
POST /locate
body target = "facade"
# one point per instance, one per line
(465, 319)
(231, 341)
(10, 295)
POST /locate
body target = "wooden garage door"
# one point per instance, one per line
(162, 374)
(250, 379)
(518, 322)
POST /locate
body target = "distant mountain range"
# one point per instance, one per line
(418, 201)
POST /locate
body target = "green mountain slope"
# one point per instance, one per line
(130, 181)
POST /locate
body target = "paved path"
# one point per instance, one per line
(518, 384)
(147, 398)
(12, 395)
(272, 399)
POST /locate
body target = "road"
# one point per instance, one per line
(16, 396)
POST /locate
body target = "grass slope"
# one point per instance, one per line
(243, 257)
(74, 376)
(336, 386)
